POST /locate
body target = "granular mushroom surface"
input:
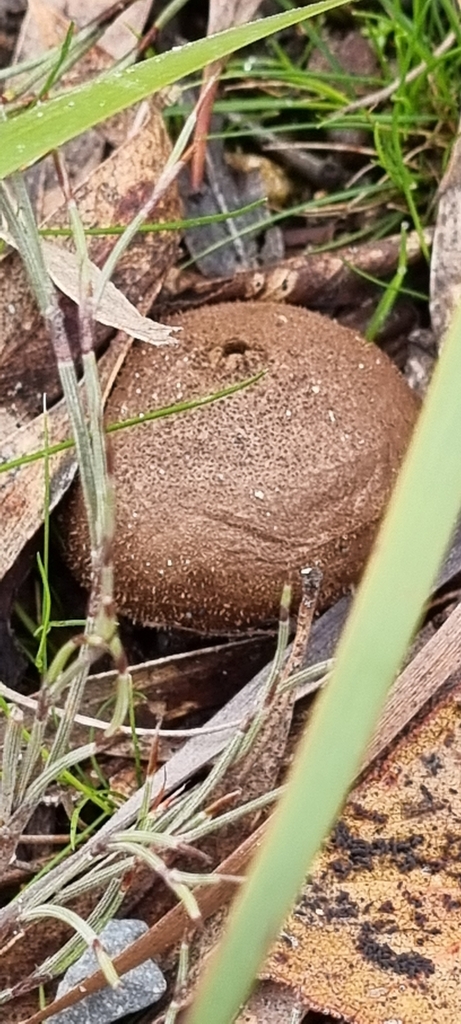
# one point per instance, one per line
(219, 506)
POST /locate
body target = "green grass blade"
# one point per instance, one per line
(33, 133)
(403, 566)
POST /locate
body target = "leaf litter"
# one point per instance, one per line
(374, 945)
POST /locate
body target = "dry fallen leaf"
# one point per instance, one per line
(271, 1004)
(375, 935)
(231, 12)
(114, 309)
(111, 195)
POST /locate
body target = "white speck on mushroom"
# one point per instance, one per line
(138, 391)
(11, 308)
(315, 389)
(361, 366)
(331, 416)
(169, 562)
(259, 495)
(288, 414)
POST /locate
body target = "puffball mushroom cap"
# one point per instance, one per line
(219, 506)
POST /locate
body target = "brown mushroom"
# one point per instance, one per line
(219, 506)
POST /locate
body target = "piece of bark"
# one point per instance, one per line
(324, 281)
(374, 934)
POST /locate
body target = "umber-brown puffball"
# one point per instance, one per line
(219, 506)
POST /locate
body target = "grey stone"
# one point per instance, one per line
(140, 987)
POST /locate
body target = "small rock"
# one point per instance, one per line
(140, 987)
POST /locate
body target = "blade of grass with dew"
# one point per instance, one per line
(33, 133)
(406, 557)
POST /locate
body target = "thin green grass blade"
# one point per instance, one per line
(135, 421)
(32, 134)
(403, 566)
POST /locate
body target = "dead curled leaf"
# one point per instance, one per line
(114, 309)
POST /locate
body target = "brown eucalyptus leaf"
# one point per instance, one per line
(375, 933)
(111, 195)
